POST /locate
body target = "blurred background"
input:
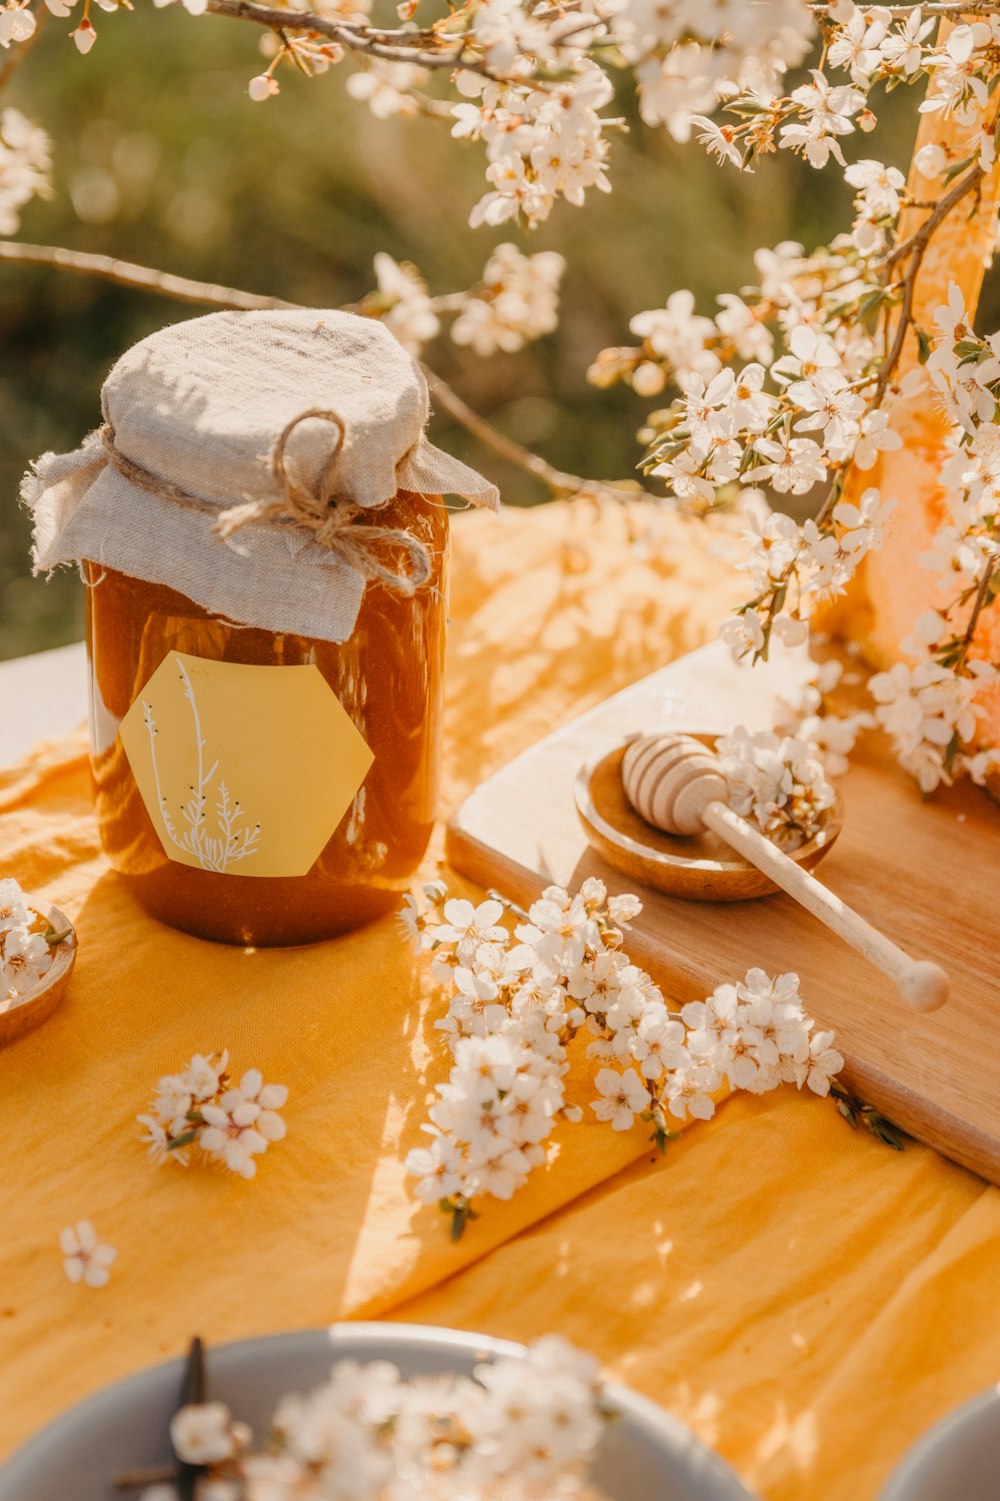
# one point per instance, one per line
(161, 158)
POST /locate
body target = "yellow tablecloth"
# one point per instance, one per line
(805, 1299)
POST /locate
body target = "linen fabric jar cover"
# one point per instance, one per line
(193, 416)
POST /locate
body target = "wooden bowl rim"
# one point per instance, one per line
(821, 842)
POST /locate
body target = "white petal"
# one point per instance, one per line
(252, 1083)
(273, 1097)
(86, 1234)
(271, 1126)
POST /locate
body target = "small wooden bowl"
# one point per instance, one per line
(38, 1005)
(700, 868)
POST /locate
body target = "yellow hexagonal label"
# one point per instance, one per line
(244, 770)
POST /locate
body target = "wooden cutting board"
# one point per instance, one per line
(927, 873)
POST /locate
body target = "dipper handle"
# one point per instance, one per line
(921, 983)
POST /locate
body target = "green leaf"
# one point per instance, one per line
(461, 1212)
(52, 937)
(746, 106)
(182, 1141)
(858, 1115)
(923, 344)
(951, 752)
(869, 307)
(661, 1136)
(958, 167)
(883, 1130)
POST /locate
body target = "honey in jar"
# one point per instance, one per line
(263, 540)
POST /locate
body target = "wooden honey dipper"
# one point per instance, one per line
(674, 782)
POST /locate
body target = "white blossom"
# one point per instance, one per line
(86, 1259)
(519, 301)
(199, 1110)
(25, 164)
(408, 311)
(387, 87)
(25, 959)
(13, 906)
(679, 336)
(517, 1000)
(623, 1096)
(778, 782)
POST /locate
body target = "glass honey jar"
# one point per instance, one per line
(265, 623)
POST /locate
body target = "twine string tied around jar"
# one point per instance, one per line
(330, 522)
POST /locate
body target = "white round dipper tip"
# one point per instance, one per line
(924, 986)
(670, 781)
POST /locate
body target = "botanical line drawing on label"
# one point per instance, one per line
(245, 769)
(236, 838)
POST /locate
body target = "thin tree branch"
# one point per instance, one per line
(564, 486)
(183, 288)
(933, 8)
(399, 46)
(142, 278)
(913, 251)
(941, 210)
(979, 604)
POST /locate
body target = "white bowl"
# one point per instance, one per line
(645, 1455)
(957, 1460)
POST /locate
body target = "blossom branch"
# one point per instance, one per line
(390, 46)
(982, 598)
(945, 8)
(563, 485)
(147, 279)
(140, 278)
(913, 251)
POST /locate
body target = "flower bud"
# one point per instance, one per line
(261, 87)
(931, 161)
(84, 36)
(648, 379)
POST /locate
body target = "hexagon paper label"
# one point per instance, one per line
(244, 770)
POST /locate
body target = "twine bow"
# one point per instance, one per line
(329, 522)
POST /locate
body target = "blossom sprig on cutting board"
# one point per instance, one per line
(517, 1001)
(200, 1110)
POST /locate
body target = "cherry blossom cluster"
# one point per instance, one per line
(519, 1429)
(532, 78)
(26, 944)
(813, 715)
(516, 302)
(200, 1109)
(778, 782)
(931, 705)
(744, 417)
(521, 1004)
(25, 162)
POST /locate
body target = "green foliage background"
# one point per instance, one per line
(161, 158)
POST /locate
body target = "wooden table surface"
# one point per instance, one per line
(44, 696)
